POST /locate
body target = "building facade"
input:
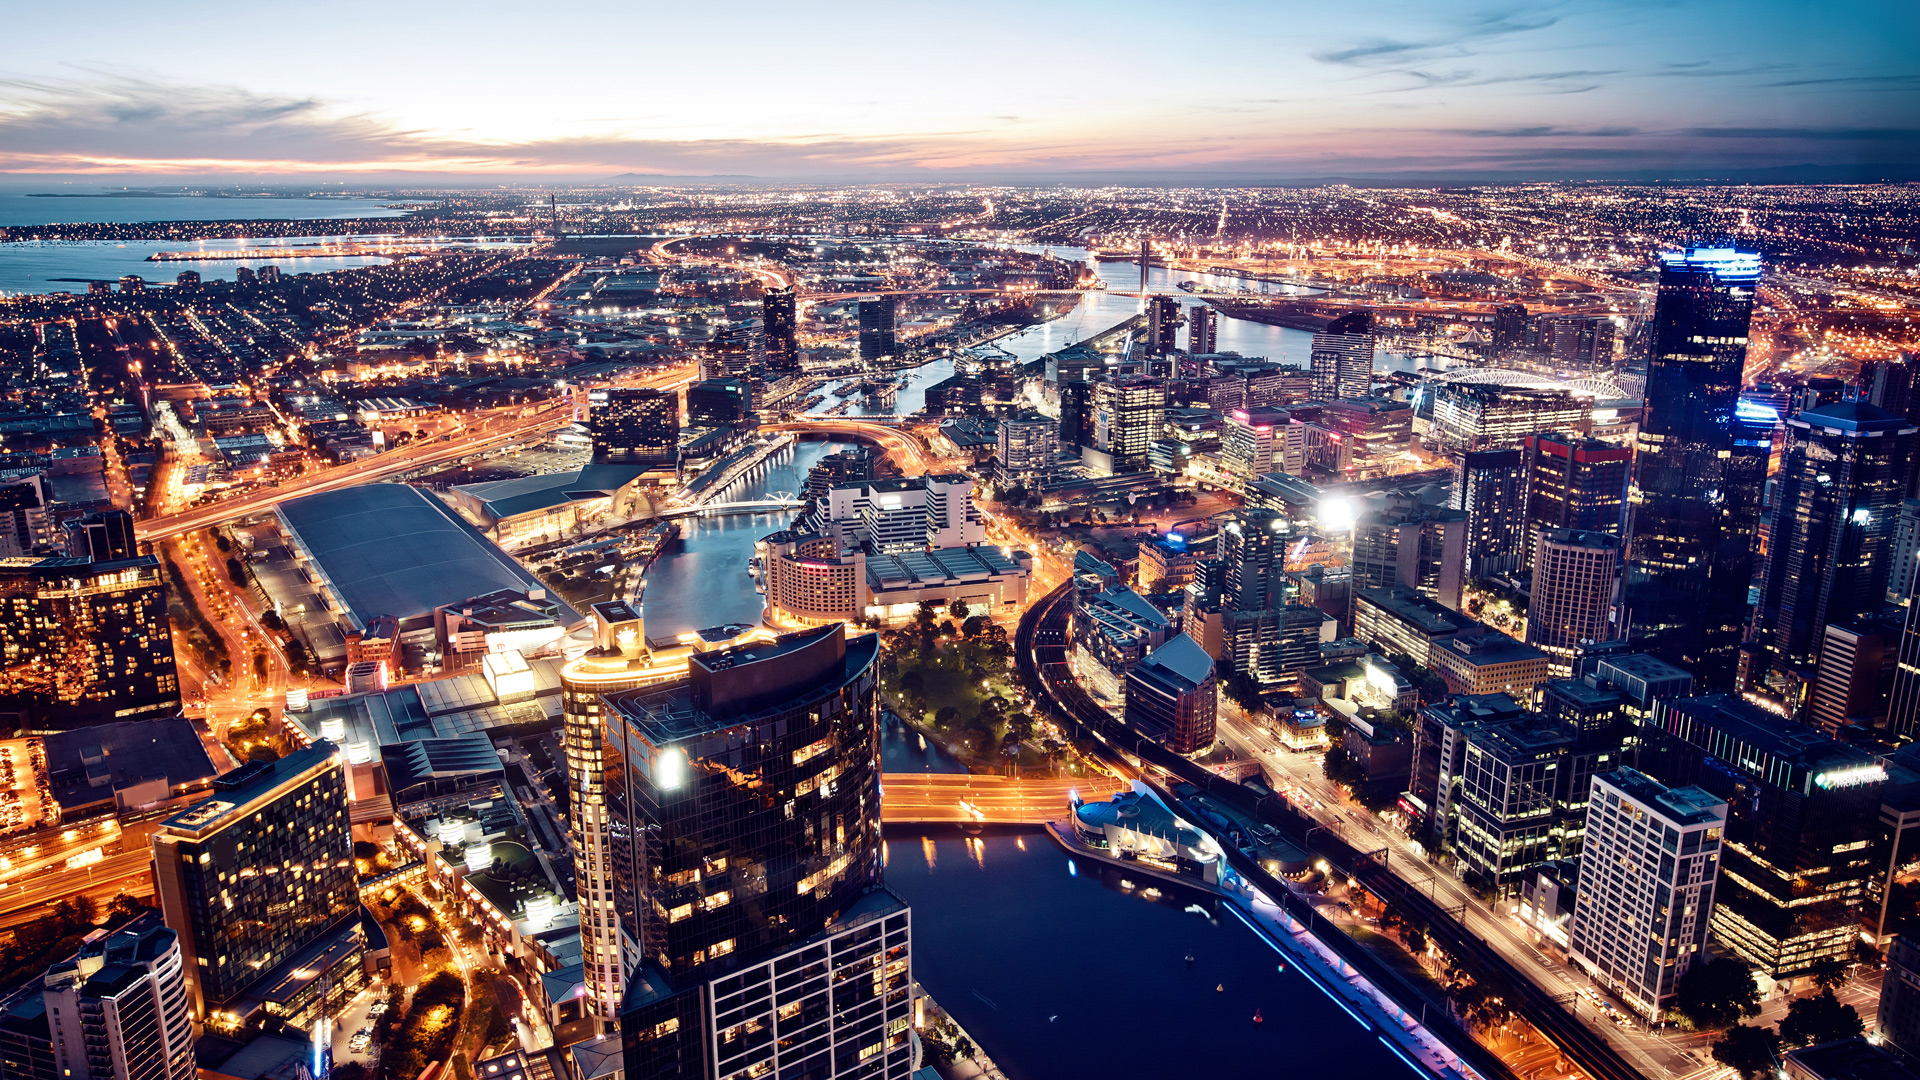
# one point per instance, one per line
(118, 1009)
(84, 642)
(1173, 697)
(1694, 510)
(1342, 358)
(1647, 874)
(634, 426)
(255, 877)
(1576, 576)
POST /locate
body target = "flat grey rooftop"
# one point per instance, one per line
(392, 549)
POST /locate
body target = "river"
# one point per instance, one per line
(1059, 966)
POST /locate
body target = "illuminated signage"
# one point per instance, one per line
(1851, 776)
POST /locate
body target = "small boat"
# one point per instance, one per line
(1257, 1018)
(1189, 959)
(1221, 989)
(1283, 969)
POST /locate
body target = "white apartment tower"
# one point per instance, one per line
(1647, 872)
(118, 1009)
(892, 517)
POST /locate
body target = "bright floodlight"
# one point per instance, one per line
(1336, 513)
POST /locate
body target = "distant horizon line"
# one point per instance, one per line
(20, 183)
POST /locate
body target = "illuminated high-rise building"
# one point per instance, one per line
(877, 340)
(617, 662)
(634, 426)
(1509, 328)
(85, 642)
(1203, 330)
(1342, 358)
(1575, 483)
(1693, 517)
(1163, 325)
(778, 317)
(1252, 548)
(1128, 417)
(743, 831)
(1836, 509)
(1576, 576)
(1490, 486)
(258, 882)
(117, 1010)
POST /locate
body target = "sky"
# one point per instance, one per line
(985, 90)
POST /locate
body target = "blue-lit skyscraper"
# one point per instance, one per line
(1694, 503)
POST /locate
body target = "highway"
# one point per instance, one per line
(489, 431)
(909, 449)
(963, 798)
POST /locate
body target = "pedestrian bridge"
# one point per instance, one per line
(967, 799)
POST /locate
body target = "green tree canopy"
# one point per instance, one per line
(958, 609)
(1819, 1019)
(1750, 1051)
(1716, 994)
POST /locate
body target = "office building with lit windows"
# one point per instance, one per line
(634, 426)
(1128, 417)
(1172, 696)
(115, 1010)
(85, 642)
(1799, 858)
(258, 882)
(1830, 538)
(1648, 866)
(1490, 487)
(1573, 482)
(1342, 358)
(1027, 452)
(1694, 504)
(1203, 330)
(1163, 324)
(877, 339)
(778, 317)
(1487, 416)
(1576, 576)
(744, 837)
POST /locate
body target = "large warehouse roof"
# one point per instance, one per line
(392, 549)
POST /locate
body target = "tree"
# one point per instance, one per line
(913, 684)
(924, 616)
(1019, 726)
(235, 572)
(1750, 1051)
(1243, 691)
(975, 625)
(1829, 974)
(1717, 994)
(1819, 1019)
(946, 715)
(958, 609)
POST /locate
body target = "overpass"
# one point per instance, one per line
(967, 799)
(755, 506)
(910, 448)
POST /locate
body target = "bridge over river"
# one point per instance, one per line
(964, 798)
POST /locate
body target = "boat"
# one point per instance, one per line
(1283, 969)
(1221, 989)
(1189, 959)
(1257, 1018)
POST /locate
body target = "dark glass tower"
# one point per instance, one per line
(877, 339)
(743, 832)
(1694, 508)
(1491, 486)
(1250, 547)
(1835, 508)
(778, 316)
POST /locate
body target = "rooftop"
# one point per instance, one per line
(392, 549)
(530, 494)
(1183, 657)
(1684, 805)
(1425, 615)
(234, 791)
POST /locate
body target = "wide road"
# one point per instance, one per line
(963, 798)
(906, 447)
(488, 431)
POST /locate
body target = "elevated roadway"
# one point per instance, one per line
(488, 431)
(966, 799)
(909, 449)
